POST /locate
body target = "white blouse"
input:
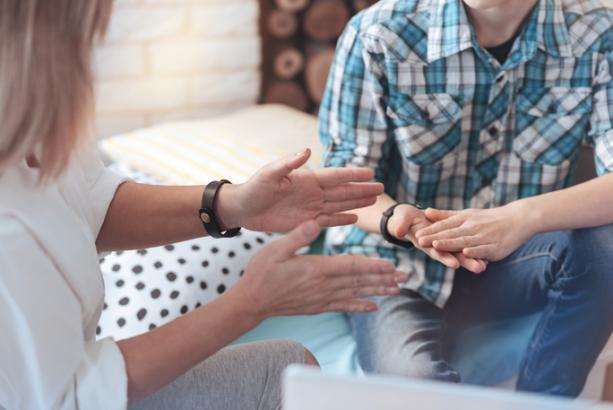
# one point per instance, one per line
(51, 291)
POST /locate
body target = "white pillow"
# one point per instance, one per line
(231, 147)
(149, 287)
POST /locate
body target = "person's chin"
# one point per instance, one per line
(484, 4)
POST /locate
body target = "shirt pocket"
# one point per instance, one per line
(551, 123)
(427, 127)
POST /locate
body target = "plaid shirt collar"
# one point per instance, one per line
(450, 32)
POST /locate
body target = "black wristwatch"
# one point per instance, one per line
(207, 211)
(385, 217)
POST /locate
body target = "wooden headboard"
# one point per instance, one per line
(298, 38)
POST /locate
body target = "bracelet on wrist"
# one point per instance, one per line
(208, 215)
(385, 217)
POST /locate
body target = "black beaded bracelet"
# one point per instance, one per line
(207, 211)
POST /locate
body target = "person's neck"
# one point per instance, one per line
(498, 24)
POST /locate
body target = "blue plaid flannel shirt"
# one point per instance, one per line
(412, 95)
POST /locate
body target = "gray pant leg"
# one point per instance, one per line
(242, 377)
(404, 338)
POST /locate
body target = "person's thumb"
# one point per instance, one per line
(299, 237)
(284, 166)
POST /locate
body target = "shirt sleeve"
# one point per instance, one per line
(601, 123)
(353, 121)
(102, 183)
(355, 131)
(45, 360)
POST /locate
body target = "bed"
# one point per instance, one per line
(233, 147)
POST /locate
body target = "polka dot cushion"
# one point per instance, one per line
(149, 287)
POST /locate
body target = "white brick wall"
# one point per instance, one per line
(176, 59)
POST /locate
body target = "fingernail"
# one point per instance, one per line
(371, 308)
(304, 151)
(310, 228)
(388, 268)
(401, 278)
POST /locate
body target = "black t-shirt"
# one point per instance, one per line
(502, 51)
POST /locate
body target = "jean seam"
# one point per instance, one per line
(544, 333)
(531, 256)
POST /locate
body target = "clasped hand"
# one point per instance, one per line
(469, 238)
(487, 234)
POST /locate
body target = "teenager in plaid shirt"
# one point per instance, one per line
(480, 106)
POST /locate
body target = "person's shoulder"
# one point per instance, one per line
(393, 23)
(13, 232)
(590, 24)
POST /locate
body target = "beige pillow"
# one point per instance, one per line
(232, 147)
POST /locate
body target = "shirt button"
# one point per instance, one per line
(493, 131)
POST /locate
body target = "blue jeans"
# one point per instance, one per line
(567, 275)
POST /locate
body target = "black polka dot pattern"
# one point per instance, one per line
(147, 288)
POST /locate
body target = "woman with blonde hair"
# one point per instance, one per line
(59, 207)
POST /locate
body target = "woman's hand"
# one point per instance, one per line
(490, 234)
(277, 282)
(408, 220)
(280, 196)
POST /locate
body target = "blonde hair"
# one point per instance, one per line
(46, 85)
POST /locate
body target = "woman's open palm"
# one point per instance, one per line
(280, 196)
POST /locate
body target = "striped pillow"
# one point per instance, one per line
(233, 147)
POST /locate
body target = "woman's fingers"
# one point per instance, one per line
(356, 293)
(367, 281)
(355, 265)
(299, 237)
(338, 219)
(341, 206)
(331, 177)
(353, 190)
(284, 166)
(350, 306)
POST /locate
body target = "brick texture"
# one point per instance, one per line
(176, 59)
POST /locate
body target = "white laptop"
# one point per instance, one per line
(309, 389)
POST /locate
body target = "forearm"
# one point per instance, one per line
(142, 216)
(582, 206)
(370, 217)
(156, 358)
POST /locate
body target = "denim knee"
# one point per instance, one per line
(420, 366)
(590, 250)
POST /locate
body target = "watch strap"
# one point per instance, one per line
(385, 217)
(207, 212)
